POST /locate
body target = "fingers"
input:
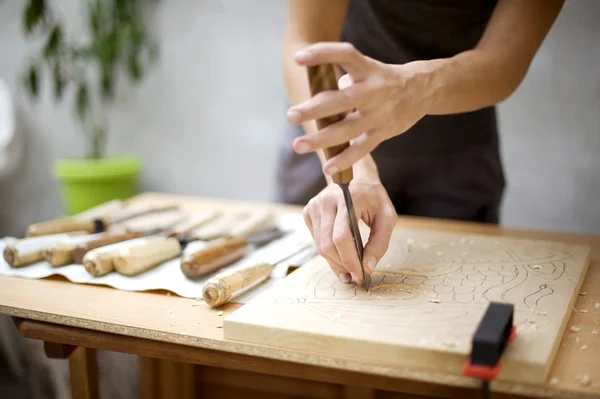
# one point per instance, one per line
(338, 133)
(344, 244)
(379, 238)
(343, 54)
(357, 150)
(324, 104)
(321, 215)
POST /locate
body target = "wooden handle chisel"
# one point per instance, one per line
(94, 225)
(226, 286)
(225, 251)
(322, 78)
(26, 251)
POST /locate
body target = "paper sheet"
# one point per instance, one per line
(168, 275)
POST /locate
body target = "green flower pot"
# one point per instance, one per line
(90, 182)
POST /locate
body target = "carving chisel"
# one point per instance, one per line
(99, 257)
(225, 251)
(322, 78)
(26, 251)
(226, 286)
(93, 225)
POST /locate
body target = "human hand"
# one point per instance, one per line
(381, 100)
(326, 216)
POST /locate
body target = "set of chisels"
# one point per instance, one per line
(132, 239)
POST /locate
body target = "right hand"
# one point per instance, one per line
(327, 219)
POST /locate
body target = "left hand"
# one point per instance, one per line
(382, 101)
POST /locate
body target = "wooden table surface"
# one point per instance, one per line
(178, 322)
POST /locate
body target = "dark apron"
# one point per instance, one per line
(445, 166)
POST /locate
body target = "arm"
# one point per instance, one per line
(309, 22)
(390, 99)
(494, 69)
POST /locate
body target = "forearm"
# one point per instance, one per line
(493, 70)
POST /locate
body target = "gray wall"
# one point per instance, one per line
(218, 91)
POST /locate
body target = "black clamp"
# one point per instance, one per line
(495, 332)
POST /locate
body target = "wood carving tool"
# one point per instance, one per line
(225, 251)
(219, 228)
(495, 332)
(26, 251)
(322, 78)
(61, 253)
(226, 286)
(95, 225)
(98, 257)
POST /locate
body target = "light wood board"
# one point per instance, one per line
(400, 321)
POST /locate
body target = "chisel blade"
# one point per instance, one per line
(355, 233)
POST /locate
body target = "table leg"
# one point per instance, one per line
(166, 379)
(84, 374)
(351, 392)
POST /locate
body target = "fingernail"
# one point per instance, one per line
(371, 264)
(303, 147)
(331, 170)
(344, 277)
(354, 278)
(294, 116)
(302, 55)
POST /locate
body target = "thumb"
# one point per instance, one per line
(379, 239)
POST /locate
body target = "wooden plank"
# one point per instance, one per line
(83, 367)
(58, 351)
(144, 315)
(427, 297)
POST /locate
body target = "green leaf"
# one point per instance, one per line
(54, 41)
(32, 81)
(82, 101)
(59, 84)
(134, 67)
(34, 13)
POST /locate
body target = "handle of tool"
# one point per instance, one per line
(194, 221)
(82, 249)
(65, 225)
(215, 255)
(140, 258)
(100, 261)
(254, 223)
(24, 252)
(322, 78)
(224, 287)
(137, 210)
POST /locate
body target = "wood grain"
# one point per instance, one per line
(124, 315)
(429, 293)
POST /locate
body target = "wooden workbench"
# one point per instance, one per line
(75, 319)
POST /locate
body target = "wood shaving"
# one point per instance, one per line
(219, 313)
(554, 380)
(583, 293)
(595, 332)
(574, 328)
(168, 294)
(536, 267)
(577, 339)
(575, 310)
(531, 321)
(219, 325)
(597, 305)
(584, 379)
(583, 347)
(194, 304)
(169, 311)
(435, 301)
(583, 311)
(541, 313)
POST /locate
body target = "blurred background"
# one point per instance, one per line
(205, 119)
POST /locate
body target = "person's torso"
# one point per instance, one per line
(400, 31)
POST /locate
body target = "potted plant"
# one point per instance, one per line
(90, 64)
